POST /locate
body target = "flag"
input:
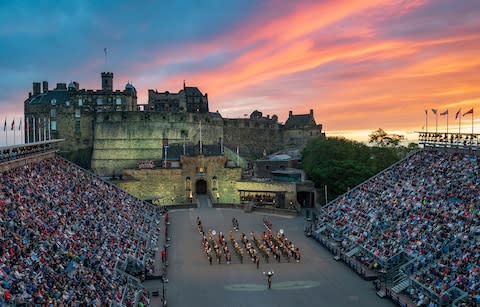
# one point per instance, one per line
(458, 113)
(13, 124)
(444, 113)
(426, 111)
(5, 125)
(105, 51)
(20, 125)
(469, 112)
(434, 111)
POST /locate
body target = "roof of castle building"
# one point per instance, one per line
(300, 120)
(192, 91)
(59, 95)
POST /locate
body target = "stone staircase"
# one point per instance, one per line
(402, 285)
(352, 252)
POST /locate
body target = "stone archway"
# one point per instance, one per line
(201, 186)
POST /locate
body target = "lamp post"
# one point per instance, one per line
(165, 158)
(164, 300)
(269, 275)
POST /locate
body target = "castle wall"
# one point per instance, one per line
(252, 136)
(124, 139)
(176, 185)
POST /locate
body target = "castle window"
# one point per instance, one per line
(77, 126)
(53, 101)
(80, 102)
(118, 101)
(77, 113)
(53, 112)
(67, 103)
(53, 125)
(99, 101)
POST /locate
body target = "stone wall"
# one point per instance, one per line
(252, 136)
(176, 185)
(124, 139)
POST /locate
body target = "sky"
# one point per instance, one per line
(360, 65)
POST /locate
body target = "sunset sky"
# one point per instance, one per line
(359, 64)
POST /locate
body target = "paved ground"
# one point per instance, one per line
(318, 280)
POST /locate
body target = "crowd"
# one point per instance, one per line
(64, 233)
(147, 164)
(427, 206)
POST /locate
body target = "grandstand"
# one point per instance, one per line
(416, 225)
(69, 238)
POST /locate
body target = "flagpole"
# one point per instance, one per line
(436, 122)
(49, 131)
(201, 145)
(459, 124)
(28, 129)
(14, 138)
(44, 128)
(426, 120)
(447, 121)
(5, 129)
(33, 135)
(472, 123)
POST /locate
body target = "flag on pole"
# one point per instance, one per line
(13, 124)
(20, 125)
(105, 51)
(426, 111)
(444, 113)
(5, 125)
(469, 112)
(458, 113)
(434, 111)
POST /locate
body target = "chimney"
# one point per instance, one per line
(29, 94)
(45, 86)
(36, 88)
(61, 86)
(290, 113)
(311, 112)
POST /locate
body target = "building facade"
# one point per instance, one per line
(70, 113)
(107, 131)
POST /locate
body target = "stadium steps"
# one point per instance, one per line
(352, 252)
(404, 284)
(321, 229)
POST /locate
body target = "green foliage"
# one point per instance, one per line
(342, 164)
(383, 139)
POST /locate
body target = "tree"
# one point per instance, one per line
(383, 139)
(342, 164)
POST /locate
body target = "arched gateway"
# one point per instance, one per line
(201, 186)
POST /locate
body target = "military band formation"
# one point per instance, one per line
(267, 246)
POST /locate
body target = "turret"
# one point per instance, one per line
(107, 81)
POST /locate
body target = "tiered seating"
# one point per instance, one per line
(427, 206)
(66, 236)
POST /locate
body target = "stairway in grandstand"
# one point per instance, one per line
(404, 284)
(204, 201)
(353, 252)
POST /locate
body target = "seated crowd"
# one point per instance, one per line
(63, 232)
(426, 206)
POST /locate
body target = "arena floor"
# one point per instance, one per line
(318, 280)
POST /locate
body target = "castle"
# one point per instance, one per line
(107, 131)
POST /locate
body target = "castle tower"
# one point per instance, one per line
(107, 81)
